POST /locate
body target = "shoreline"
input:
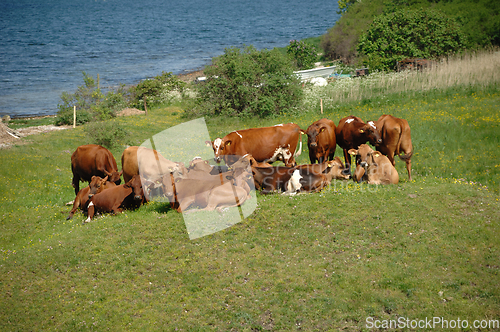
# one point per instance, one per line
(187, 76)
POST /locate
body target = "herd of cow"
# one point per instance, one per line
(248, 155)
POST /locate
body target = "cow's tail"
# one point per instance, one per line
(299, 151)
(406, 156)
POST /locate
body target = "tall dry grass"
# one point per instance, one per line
(479, 69)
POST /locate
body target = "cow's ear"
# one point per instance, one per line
(106, 178)
(227, 143)
(353, 152)
(377, 154)
(208, 143)
(361, 131)
(322, 130)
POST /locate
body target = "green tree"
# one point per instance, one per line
(344, 5)
(155, 90)
(409, 33)
(245, 81)
(304, 54)
(90, 102)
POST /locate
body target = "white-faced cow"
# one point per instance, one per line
(373, 167)
(352, 132)
(266, 144)
(396, 139)
(90, 160)
(321, 140)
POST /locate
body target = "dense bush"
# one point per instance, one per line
(249, 82)
(303, 54)
(409, 33)
(91, 104)
(106, 133)
(159, 90)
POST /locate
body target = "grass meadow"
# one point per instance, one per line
(328, 261)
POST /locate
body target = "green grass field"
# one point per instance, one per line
(318, 262)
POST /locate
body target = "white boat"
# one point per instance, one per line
(324, 72)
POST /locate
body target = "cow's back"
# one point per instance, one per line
(130, 167)
(92, 159)
(262, 143)
(346, 132)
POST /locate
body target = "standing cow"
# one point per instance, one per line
(321, 141)
(90, 160)
(264, 144)
(352, 132)
(396, 138)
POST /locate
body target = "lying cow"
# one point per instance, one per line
(277, 179)
(267, 144)
(115, 199)
(373, 166)
(352, 132)
(207, 193)
(90, 160)
(97, 184)
(396, 139)
(314, 178)
(321, 141)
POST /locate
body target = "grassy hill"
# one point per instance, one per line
(338, 259)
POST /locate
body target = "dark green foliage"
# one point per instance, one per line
(91, 104)
(106, 133)
(249, 82)
(156, 90)
(409, 34)
(304, 54)
(479, 21)
(341, 40)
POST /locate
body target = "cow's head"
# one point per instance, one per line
(312, 134)
(371, 132)
(220, 147)
(198, 164)
(96, 185)
(337, 170)
(136, 184)
(364, 158)
(114, 176)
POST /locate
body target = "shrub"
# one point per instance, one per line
(249, 82)
(159, 90)
(304, 54)
(409, 34)
(106, 133)
(91, 104)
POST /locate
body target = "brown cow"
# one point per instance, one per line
(207, 194)
(352, 132)
(313, 179)
(276, 178)
(321, 141)
(117, 198)
(396, 138)
(149, 163)
(97, 184)
(373, 166)
(90, 160)
(264, 144)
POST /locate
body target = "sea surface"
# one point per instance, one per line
(46, 45)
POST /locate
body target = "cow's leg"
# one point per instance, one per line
(347, 158)
(90, 212)
(408, 168)
(76, 183)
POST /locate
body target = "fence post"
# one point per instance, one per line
(145, 108)
(321, 103)
(74, 116)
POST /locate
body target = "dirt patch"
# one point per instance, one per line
(191, 76)
(130, 111)
(10, 136)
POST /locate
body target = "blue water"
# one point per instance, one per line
(46, 45)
